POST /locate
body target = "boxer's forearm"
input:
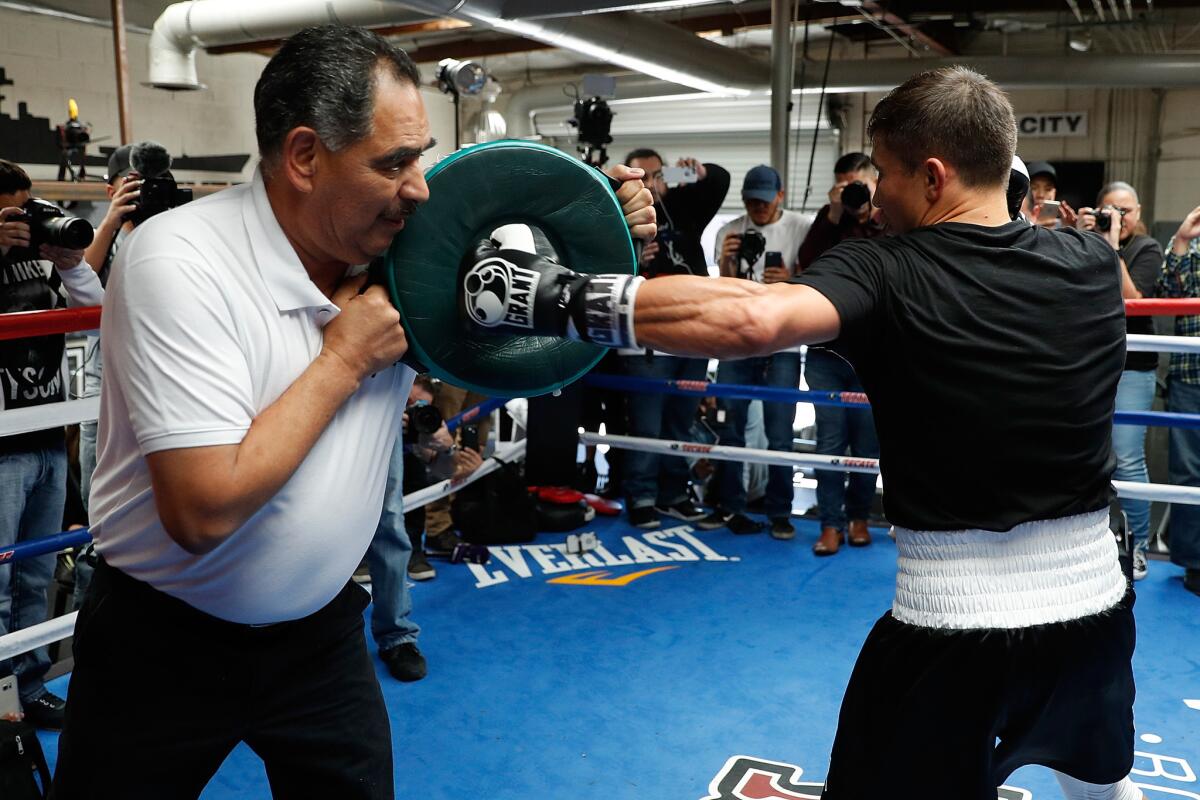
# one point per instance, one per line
(730, 317)
(205, 494)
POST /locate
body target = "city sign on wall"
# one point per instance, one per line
(1053, 123)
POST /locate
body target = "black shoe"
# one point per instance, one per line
(1191, 580)
(781, 528)
(644, 517)
(743, 525)
(717, 519)
(419, 568)
(45, 712)
(404, 661)
(685, 510)
(443, 544)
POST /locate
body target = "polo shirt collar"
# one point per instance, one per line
(288, 282)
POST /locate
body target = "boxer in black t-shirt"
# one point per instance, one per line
(991, 351)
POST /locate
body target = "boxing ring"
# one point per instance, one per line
(672, 663)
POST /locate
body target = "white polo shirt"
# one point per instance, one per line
(209, 317)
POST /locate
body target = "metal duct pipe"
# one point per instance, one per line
(782, 70)
(632, 41)
(183, 27)
(526, 102)
(1090, 71)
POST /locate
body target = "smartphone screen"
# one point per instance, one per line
(674, 175)
(1049, 209)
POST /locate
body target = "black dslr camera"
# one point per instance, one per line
(423, 422)
(855, 195)
(752, 246)
(1104, 217)
(158, 195)
(49, 224)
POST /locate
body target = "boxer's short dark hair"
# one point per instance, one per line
(643, 152)
(324, 78)
(951, 113)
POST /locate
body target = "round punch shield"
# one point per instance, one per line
(471, 193)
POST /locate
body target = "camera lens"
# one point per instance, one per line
(69, 232)
(1103, 221)
(855, 196)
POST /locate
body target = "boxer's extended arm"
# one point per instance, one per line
(205, 494)
(730, 317)
(516, 292)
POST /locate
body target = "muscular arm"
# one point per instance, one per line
(730, 317)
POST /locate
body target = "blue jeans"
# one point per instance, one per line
(841, 431)
(1184, 468)
(387, 561)
(651, 479)
(33, 489)
(779, 370)
(1135, 392)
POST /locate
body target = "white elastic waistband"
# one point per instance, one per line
(1037, 573)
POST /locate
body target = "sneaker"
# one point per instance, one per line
(404, 661)
(717, 519)
(442, 544)
(644, 517)
(685, 510)
(1139, 563)
(743, 525)
(419, 568)
(45, 712)
(781, 528)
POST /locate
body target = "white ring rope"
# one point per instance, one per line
(50, 415)
(1166, 493)
(1149, 343)
(35, 636)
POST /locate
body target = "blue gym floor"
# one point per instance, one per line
(549, 681)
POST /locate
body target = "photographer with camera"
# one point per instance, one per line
(41, 252)
(657, 484)
(843, 499)
(424, 452)
(759, 246)
(1117, 217)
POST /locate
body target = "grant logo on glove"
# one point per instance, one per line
(499, 293)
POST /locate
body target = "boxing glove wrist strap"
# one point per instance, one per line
(602, 312)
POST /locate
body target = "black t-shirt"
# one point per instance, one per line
(688, 210)
(991, 357)
(1144, 258)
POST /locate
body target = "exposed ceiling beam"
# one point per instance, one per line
(904, 26)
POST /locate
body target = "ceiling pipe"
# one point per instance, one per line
(184, 27)
(635, 42)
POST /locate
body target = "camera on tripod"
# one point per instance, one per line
(49, 224)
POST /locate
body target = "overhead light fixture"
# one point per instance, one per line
(460, 77)
(1080, 42)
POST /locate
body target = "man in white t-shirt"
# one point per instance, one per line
(761, 245)
(251, 398)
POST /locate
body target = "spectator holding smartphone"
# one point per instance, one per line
(1046, 210)
(759, 246)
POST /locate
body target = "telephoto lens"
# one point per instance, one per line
(48, 224)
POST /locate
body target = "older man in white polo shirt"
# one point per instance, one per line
(251, 398)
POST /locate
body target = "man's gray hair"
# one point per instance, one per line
(324, 78)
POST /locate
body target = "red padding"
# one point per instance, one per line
(23, 324)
